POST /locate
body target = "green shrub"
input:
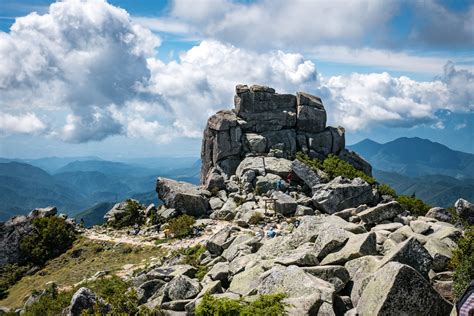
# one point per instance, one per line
(191, 256)
(414, 205)
(334, 167)
(113, 291)
(9, 275)
(131, 216)
(385, 189)
(462, 262)
(50, 237)
(181, 226)
(271, 304)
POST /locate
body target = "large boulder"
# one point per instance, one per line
(398, 289)
(305, 173)
(440, 214)
(86, 300)
(465, 210)
(410, 252)
(181, 288)
(356, 246)
(284, 204)
(43, 212)
(342, 193)
(381, 212)
(11, 234)
(330, 238)
(278, 166)
(182, 196)
(310, 113)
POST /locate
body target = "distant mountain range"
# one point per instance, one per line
(432, 171)
(415, 157)
(79, 185)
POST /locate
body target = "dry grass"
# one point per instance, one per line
(83, 260)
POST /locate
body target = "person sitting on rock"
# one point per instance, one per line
(271, 233)
(136, 229)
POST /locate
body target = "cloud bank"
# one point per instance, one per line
(94, 73)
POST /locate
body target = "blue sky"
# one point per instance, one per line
(139, 78)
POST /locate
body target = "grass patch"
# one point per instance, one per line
(385, 189)
(83, 260)
(191, 256)
(462, 262)
(271, 304)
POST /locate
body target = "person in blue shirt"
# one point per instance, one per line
(271, 233)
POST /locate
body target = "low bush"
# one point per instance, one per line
(181, 226)
(334, 167)
(462, 262)
(191, 256)
(271, 304)
(9, 275)
(413, 204)
(385, 189)
(131, 216)
(50, 237)
(113, 291)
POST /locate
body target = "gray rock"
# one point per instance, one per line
(239, 246)
(295, 282)
(330, 238)
(219, 272)
(215, 203)
(85, 300)
(420, 227)
(167, 213)
(267, 183)
(311, 115)
(398, 289)
(357, 246)
(167, 273)
(43, 212)
(278, 166)
(256, 143)
(411, 252)
(440, 252)
(381, 212)
(388, 227)
(219, 241)
(336, 275)
(215, 181)
(440, 214)
(284, 204)
(465, 210)
(182, 196)
(305, 173)
(244, 283)
(303, 256)
(251, 163)
(181, 288)
(342, 193)
(361, 272)
(148, 289)
(303, 210)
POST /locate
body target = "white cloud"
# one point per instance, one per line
(203, 80)
(460, 126)
(80, 57)
(360, 101)
(27, 123)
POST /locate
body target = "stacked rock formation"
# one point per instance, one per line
(266, 123)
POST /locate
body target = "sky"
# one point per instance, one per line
(128, 78)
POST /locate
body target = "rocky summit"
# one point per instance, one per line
(283, 208)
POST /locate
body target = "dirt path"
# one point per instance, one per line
(124, 238)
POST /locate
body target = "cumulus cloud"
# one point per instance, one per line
(80, 58)
(27, 123)
(360, 101)
(276, 24)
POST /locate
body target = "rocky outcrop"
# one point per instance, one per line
(465, 210)
(84, 300)
(182, 196)
(267, 123)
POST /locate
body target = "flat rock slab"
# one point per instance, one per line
(357, 246)
(381, 212)
(284, 204)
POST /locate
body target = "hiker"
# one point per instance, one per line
(271, 233)
(289, 178)
(296, 223)
(280, 185)
(136, 229)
